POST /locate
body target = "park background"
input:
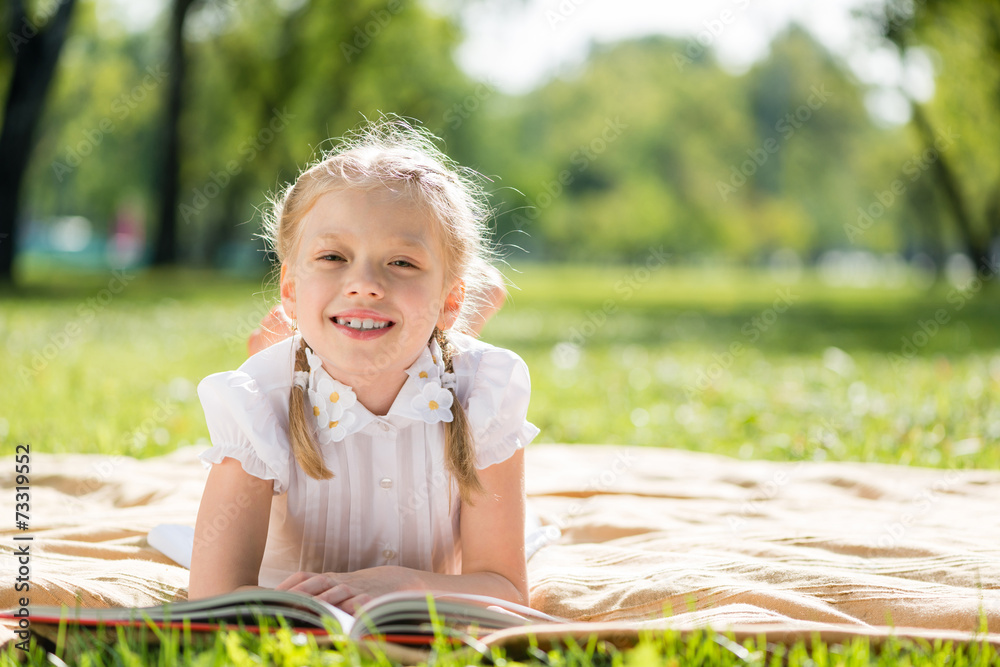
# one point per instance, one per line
(780, 246)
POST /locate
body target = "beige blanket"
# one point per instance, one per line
(646, 533)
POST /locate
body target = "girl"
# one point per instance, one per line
(378, 449)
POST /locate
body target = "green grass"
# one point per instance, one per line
(282, 647)
(703, 360)
(690, 359)
(693, 359)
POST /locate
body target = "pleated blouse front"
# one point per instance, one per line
(390, 501)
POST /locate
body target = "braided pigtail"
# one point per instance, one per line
(460, 454)
(304, 446)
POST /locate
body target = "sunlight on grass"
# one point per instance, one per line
(739, 364)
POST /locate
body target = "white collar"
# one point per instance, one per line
(336, 410)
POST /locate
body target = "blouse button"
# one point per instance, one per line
(385, 483)
(388, 554)
(383, 426)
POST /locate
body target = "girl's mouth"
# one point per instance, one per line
(361, 324)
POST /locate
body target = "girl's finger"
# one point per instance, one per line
(294, 580)
(318, 585)
(337, 595)
(351, 605)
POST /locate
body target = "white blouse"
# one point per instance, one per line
(391, 500)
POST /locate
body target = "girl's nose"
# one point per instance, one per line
(364, 281)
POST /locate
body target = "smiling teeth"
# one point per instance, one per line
(358, 323)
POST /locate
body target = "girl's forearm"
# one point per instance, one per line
(252, 588)
(492, 584)
(352, 590)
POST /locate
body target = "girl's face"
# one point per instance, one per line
(367, 284)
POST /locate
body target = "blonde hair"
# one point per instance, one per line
(392, 154)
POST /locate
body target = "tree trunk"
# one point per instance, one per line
(165, 249)
(36, 52)
(976, 246)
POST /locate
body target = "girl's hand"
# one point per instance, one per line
(492, 553)
(349, 590)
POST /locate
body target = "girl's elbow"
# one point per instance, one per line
(518, 589)
(206, 581)
(522, 594)
(199, 590)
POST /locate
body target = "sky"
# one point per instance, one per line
(515, 44)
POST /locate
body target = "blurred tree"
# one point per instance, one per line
(959, 128)
(651, 142)
(100, 133)
(276, 80)
(621, 153)
(168, 183)
(644, 143)
(816, 156)
(267, 84)
(35, 41)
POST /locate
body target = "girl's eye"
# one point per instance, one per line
(332, 257)
(402, 262)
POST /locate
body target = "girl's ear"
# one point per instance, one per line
(287, 292)
(452, 306)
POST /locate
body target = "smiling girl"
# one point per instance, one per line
(379, 448)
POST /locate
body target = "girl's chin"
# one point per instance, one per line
(355, 368)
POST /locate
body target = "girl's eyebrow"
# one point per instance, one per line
(407, 242)
(323, 239)
(404, 241)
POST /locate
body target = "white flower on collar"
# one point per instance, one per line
(433, 403)
(424, 370)
(428, 367)
(331, 406)
(335, 406)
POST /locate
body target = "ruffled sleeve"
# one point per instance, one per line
(498, 407)
(244, 424)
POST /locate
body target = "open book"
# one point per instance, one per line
(405, 617)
